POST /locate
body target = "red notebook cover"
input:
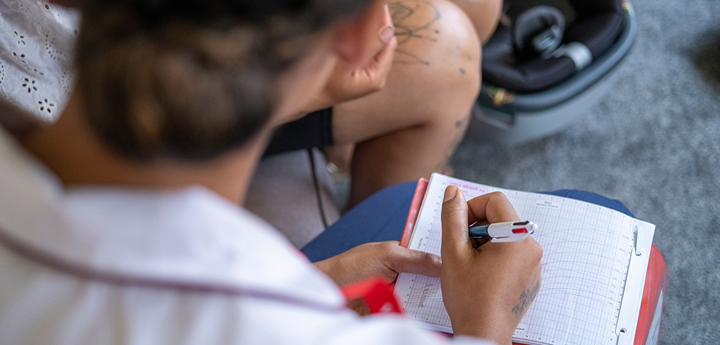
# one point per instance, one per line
(414, 210)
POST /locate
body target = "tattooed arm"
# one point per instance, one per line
(486, 290)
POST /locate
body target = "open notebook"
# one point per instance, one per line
(593, 268)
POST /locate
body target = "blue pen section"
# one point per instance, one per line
(480, 231)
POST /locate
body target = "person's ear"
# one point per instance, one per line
(357, 40)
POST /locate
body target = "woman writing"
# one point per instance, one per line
(119, 224)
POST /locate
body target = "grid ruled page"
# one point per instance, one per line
(586, 256)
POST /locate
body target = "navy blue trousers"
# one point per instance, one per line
(381, 217)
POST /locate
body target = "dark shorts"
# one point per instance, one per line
(313, 130)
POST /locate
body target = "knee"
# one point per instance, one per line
(438, 49)
(484, 15)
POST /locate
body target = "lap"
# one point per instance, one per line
(382, 216)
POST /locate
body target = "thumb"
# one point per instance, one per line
(455, 239)
(387, 31)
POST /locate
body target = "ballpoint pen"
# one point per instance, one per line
(503, 232)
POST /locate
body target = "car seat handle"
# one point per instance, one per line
(538, 31)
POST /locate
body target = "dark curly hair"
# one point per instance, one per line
(190, 79)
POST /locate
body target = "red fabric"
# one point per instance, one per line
(376, 293)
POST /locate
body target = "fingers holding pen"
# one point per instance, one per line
(487, 290)
(491, 208)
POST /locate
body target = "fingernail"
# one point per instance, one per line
(387, 34)
(450, 193)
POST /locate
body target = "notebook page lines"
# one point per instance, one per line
(424, 302)
(584, 266)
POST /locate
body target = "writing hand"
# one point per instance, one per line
(486, 290)
(378, 259)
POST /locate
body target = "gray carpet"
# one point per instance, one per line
(653, 143)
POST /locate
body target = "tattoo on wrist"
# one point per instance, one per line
(525, 299)
(407, 29)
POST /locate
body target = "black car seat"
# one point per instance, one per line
(548, 62)
(512, 62)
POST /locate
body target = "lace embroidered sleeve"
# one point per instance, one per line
(36, 44)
